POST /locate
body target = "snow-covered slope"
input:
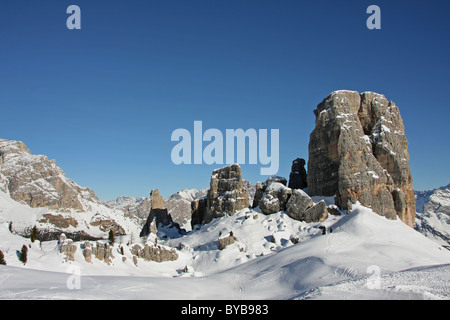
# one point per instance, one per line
(95, 222)
(433, 214)
(34, 191)
(365, 256)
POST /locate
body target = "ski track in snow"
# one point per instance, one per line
(418, 284)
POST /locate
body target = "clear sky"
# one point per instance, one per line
(104, 100)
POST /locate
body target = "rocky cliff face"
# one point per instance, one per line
(159, 217)
(55, 203)
(38, 181)
(358, 152)
(179, 205)
(226, 196)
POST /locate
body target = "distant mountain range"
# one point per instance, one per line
(178, 204)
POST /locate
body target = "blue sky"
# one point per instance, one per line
(104, 100)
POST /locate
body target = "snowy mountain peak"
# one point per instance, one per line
(38, 181)
(34, 191)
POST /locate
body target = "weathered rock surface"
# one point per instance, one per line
(358, 152)
(316, 213)
(105, 225)
(38, 181)
(59, 221)
(226, 194)
(298, 177)
(103, 252)
(154, 253)
(298, 203)
(87, 251)
(226, 241)
(272, 195)
(179, 205)
(67, 248)
(259, 194)
(275, 198)
(198, 209)
(158, 216)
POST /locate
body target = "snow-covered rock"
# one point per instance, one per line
(38, 181)
(37, 193)
(433, 214)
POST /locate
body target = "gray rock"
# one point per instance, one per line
(270, 204)
(158, 216)
(259, 194)
(358, 152)
(154, 253)
(275, 197)
(333, 210)
(297, 204)
(226, 194)
(37, 180)
(316, 213)
(68, 249)
(87, 251)
(103, 252)
(298, 176)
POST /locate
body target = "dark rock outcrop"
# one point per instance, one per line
(158, 216)
(259, 193)
(298, 177)
(358, 152)
(198, 209)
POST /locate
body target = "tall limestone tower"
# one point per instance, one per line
(358, 151)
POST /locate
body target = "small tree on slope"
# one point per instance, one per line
(2, 258)
(33, 234)
(111, 237)
(23, 254)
